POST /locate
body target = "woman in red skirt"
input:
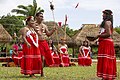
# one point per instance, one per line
(106, 66)
(63, 50)
(31, 62)
(17, 53)
(54, 54)
(84, 58)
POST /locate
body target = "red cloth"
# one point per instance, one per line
(65, 60)
(82, 61)
(15, 47)
(31, 62)
(64, 57)
(85, 60)
(56, 59)
(106, 67)
(63, 50)
(17, 58)
(45, 51)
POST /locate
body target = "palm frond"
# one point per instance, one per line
(35, 4)
(34, 7)
(23, 7)
(39, 10)
(20, 12)
(31, 10)
(30, 6)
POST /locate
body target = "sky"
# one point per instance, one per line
(87, 12)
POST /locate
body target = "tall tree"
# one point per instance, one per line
(29, 10)
(11, 23)
(117, 29)
(70, 32)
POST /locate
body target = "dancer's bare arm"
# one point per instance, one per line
(23, 32)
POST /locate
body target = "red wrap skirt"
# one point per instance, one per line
(84, 61)
(65, 60)
(45, 51)
(17, 58)
(106, 67)
(31, 60)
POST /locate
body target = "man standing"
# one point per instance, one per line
(43, 45)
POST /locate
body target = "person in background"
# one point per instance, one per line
(20, 52)
(106, 66)
(54, 54)
(84, 58)
(11, 52)
(3, 50)
(63, 50)
(31, 61)
(15, 53)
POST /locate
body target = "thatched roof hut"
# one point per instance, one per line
(4, 35)
(60, 32)
(92, 30)
(116, 38)
(86, 30)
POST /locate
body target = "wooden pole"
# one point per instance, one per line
(56, 27)
(52, 9)
(65, 26)
(65, 31)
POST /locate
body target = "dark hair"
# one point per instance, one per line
(38, 13)
(109, 12)
(85, 42)
(28, 19)
(52, 45)
(109, 17)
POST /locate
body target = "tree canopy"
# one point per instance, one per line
(117, 29)
(11, 23)
(70, 32)
(29, 10)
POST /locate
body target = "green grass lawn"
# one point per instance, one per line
(55, 73)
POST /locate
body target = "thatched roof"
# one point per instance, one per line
(4, 35)
(60, 31)
(92, 30)
(116, 38)
(86, 30)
